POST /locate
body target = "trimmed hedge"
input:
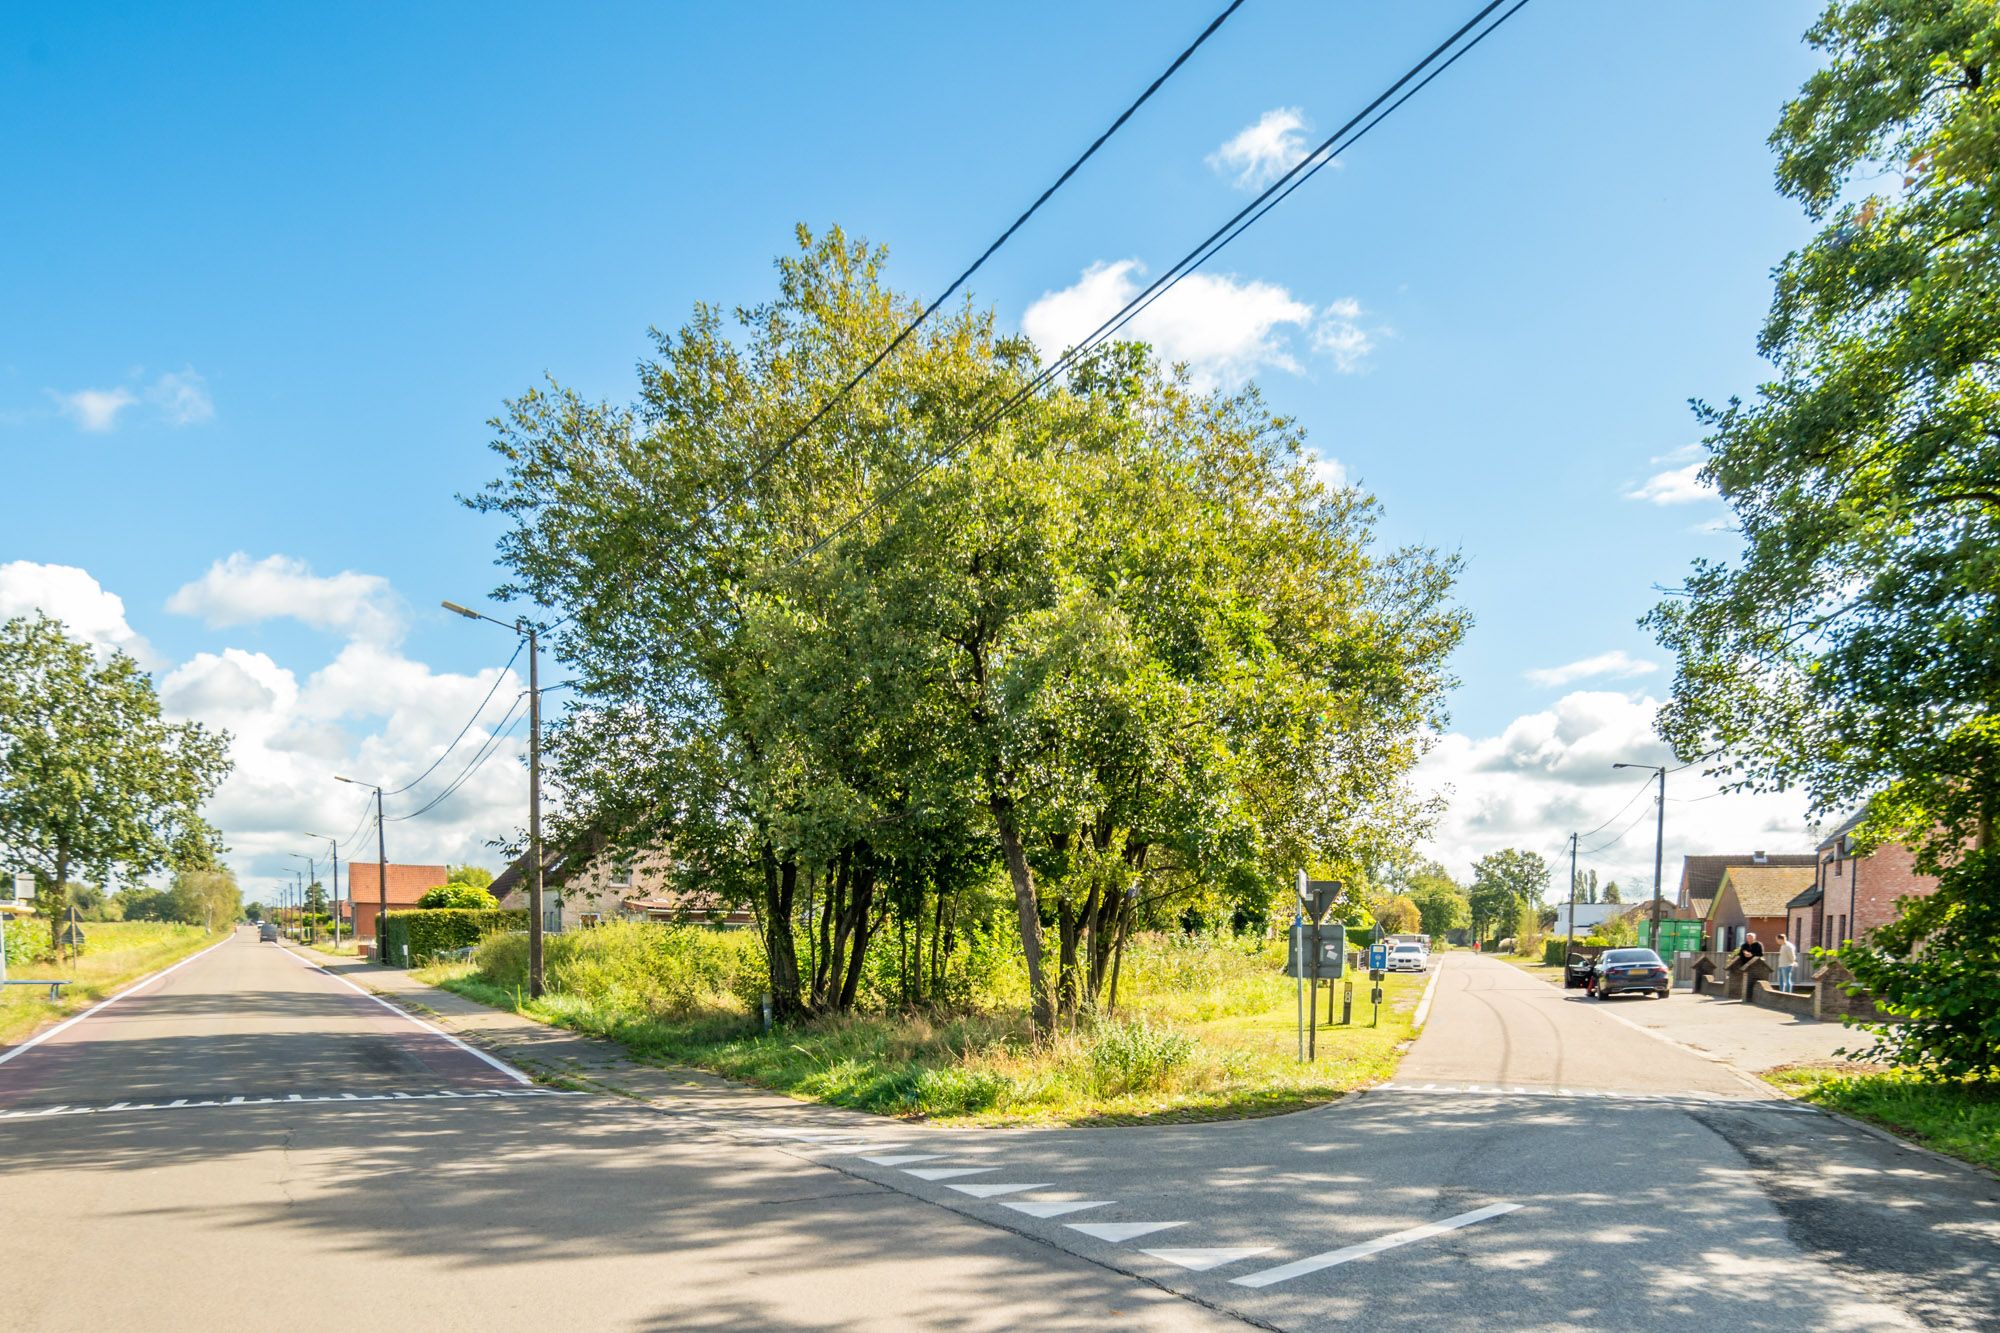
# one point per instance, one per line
(415, 938)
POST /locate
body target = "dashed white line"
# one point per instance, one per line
(183, 1103)
(1347, 1254)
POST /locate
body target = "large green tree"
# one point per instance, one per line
(1440, 900)
(93, 782)
(1504, 883)
(1852, 649)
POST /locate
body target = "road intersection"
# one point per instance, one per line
(1534, 1164)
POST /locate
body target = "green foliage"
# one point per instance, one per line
(1399, 916)
(92, 781)
(207, 898)
(459, 895)
(639, 967)
(1503, 883)
(1848, 650)
(253, 912)
(1612, 893)
(478, 877)
(1125, 648)
(1956, 1116)
(1441, 902)
(416, 937)
(1135, 1057)
(140, 904)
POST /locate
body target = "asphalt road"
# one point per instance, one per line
(1536, 1164)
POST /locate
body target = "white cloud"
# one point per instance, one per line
(1260, 153)
(242, 591)
(72, 596)
(1331, 472)
(1675, 486)
(1224, 328)
(95, 409)
(1616, 664)
(1548, 774)
(182, 398)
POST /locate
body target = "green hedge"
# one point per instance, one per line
(414, 938)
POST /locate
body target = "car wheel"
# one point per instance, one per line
(1664, 994)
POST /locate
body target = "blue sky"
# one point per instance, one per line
(271, 268)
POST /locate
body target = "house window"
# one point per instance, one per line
(1842, 937)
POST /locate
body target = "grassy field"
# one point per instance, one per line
(116, 953)
(1958, 1119)
(1205, 1030)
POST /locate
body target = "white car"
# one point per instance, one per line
(1407, 958)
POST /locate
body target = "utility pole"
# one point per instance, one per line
(1659, 840)
(1572, 902)
(381, 863)
(532, 633)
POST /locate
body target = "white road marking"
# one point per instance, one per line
(948, 1172)
(1650, 1098)
(1119, 1232)
(1203, 1260)
(1424, 1005)
(292, 1099)
(1056, 1209)
(1286, 1272)
(132, 989)
(904, 1159)
(409, 1017)
(995, 1191)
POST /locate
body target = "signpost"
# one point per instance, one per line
(1378, 964)
(1317, 952)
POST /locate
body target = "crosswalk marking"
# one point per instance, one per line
(904, 1159)
(1704, 1099)
(1033, 1209)
(290, 1099)
(1117, 1233)
(1203, 1260)
(994, 1191)
(948, 1172)
(1346, 1254)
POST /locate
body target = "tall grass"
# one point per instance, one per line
(1204, 1027)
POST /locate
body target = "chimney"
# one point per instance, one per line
(1759, 858)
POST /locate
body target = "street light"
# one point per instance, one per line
(1659, 840)
(312, 877)
(333, 850)
(381, 862)
(529, 630)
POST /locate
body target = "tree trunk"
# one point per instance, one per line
(780, 955)
(1027, 913)
(861, 899)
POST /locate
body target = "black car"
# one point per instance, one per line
(1623, 971)
(1582, 961)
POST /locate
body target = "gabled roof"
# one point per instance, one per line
(1846, 827)
(1764, 890)
(1701, 876)
(1808, 898)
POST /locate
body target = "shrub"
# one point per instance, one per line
(1135, 1057)
(420, 936)
(958, 1090)
(466, 897)
(645, 969)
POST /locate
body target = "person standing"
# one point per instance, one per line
(1788, 959)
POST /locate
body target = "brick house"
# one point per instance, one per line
(588, 882)
(1853, 894)
(1701, 876)
(1754, 898)
(407, 883)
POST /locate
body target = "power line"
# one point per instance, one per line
(501, 731)
(1208, 247)
(1621, 810)
(1605, 846)
(493, 689)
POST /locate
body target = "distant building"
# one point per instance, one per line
(406, 884)
(1754, 898)
(588, 882)
(1852, 894)
(1701, 876)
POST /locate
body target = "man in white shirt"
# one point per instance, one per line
(1788, 959)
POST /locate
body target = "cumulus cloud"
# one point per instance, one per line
(72, 596)
(240, 591)
(95, 410)
(1549, 773)
(1331, 472)
(1616, 665)
(1674, 486)
(1224, 328)
(179, 398)
(1258, 154)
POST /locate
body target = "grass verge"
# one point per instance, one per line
(1959, 1119)
(116, 953)
(1201, 1039)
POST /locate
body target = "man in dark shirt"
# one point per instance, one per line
(1751, 949)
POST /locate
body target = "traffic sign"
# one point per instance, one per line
(1378, 957)
(1317, 896)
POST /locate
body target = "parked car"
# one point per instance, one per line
(1407, 958)
(1623, 971)
(1581, 962)
(267, 931)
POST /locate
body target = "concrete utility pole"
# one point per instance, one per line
(1572, 902)
(381, 862)
(531, 632)
(1659, 840)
